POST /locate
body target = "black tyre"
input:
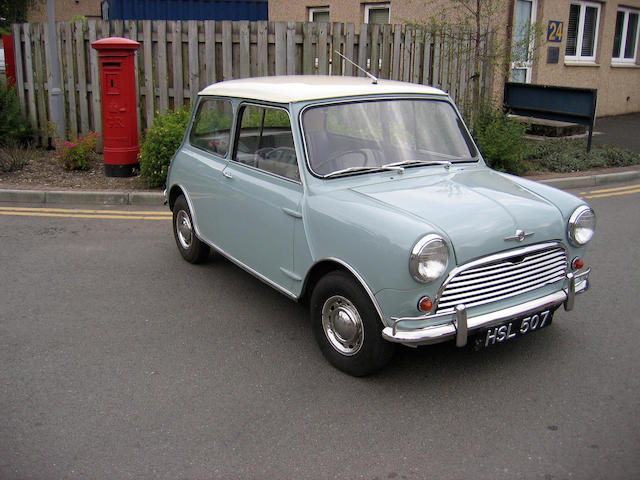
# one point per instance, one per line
(192, 249)
(347, 326)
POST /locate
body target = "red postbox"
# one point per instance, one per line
(119, 116)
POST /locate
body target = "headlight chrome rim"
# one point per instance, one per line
(580, 226)
(415, 261)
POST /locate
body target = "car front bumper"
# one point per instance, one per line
(460, 324)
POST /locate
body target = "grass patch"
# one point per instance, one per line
(568, 155)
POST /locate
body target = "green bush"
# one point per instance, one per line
(13, 124)
(161, 141)
(501, 140)
(75, 154)
(566, 155)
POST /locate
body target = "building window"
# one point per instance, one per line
(582, 33)
(379, 13)
(319, 14)
(625, 41)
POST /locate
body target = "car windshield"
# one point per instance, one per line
(391, 134)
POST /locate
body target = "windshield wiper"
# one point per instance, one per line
(346, 171)
(419, 163)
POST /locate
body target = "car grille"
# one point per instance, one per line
(499, 277)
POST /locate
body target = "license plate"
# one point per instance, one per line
(513, 329)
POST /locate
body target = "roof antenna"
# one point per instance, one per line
(373, 78)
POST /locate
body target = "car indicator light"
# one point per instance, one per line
(425, 304)
(577, 263)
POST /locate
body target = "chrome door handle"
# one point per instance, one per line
(227, 174)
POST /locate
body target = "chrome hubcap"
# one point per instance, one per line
(184, 229)
(342, 325)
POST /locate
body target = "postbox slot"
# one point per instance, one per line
(111, 64)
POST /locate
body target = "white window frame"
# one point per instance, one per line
(578, 57)
(313, 10)
(527, 65)
(375, 6)
(623, 43)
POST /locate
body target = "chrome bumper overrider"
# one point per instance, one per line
(460, 323)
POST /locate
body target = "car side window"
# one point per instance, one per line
(265, 141)
(212, 125)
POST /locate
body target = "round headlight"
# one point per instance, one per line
(582, 226)
(429, 258)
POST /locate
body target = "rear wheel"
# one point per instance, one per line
(347, 326)
(192, 249)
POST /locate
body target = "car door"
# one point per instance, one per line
(261, 197)
(208, 151)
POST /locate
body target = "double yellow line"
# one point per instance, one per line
(611, 192)
(78, 213)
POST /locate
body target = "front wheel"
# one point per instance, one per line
(192, 249)
(347, 326)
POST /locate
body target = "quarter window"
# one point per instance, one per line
(582, 32)
(265, 141)
(625, 41)
(210, 130)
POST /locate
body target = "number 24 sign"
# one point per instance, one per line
(554, 31)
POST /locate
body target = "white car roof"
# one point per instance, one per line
(296, 88)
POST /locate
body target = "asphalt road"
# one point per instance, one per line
(120, 360)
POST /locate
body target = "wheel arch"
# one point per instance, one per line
(326, 266)
(174, 193)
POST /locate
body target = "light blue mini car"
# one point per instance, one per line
(370, 202)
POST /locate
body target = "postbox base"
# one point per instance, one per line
(121, 170)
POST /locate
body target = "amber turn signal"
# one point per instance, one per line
(425, 304)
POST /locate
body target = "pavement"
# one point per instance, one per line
(618, 130)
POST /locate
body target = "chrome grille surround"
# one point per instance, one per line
(503, 275)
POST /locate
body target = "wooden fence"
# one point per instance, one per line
(177, 59)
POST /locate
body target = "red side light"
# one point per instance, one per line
(577, 263)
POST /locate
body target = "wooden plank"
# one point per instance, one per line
(69, 76)
(227, 50)
(147, 54)
(386, 52)
(176, 53)
(194, 62)
(417, 56)
(308, 53)
(47, 82)
(118, 28)
(263, 48)
(17, 48)
(131, 27)
(396, 53)
(349, 46)
(323, 46)
(63, 90)
(39, 84)
(281, 47)
(82, 76)
(336, 41)
(363, 48)
(406, 53)
(245, 50)
(291, 48)
(426, 59)
(30, 81)
(210, 50)
(162, 68)
(374, 66)
(435, 81)
(94, 68)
